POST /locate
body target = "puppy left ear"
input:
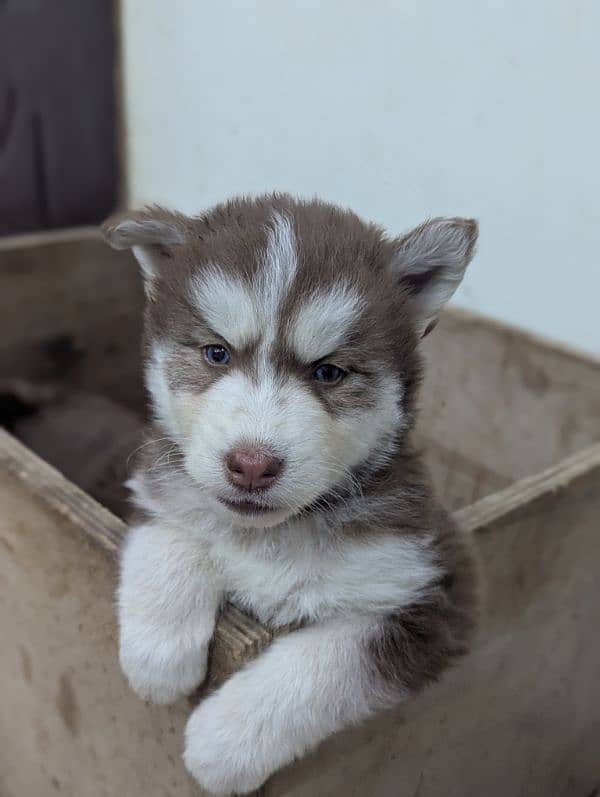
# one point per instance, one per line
(430, 262)
(151, 235)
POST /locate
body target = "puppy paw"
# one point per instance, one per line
(162, 672)
(222, 750)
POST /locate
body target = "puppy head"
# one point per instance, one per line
(282, 343)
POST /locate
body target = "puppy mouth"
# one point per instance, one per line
(247, 506)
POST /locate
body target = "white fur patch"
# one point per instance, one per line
(227, 305)
(283, 415)
(279, 266)
(280, 260)
(376, 575)
(157, 384)
(167, 608)
(303, 688)
(322, 323)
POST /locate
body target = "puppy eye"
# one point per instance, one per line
(328, 373)
(216, 355)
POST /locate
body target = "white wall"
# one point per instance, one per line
(401, 109)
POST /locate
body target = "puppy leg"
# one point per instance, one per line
(168, 599)
(300, 690)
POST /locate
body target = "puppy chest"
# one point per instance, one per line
(279, 590)
(305, 583)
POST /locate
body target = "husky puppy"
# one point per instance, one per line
(282, 362)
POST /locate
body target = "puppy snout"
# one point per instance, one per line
(252, 468)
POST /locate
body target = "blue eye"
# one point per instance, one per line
(328, 373)
(217, 355)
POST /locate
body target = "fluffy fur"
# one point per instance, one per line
(348, 540)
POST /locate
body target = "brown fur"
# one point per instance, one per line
(415, 646)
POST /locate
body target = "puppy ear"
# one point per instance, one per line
(151, 235)
(430, 262)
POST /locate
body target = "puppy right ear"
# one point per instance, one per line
(151, 235)
(430, 262)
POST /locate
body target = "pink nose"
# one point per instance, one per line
(252, 468)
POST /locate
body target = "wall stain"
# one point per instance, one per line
(532, 375)
(26, 670)
(66, 704)
(59, 586)
(42, 737)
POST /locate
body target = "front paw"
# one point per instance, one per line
(226, 750)
(162, 670)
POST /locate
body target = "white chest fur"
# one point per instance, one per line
(298, 576)
(302, 571)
